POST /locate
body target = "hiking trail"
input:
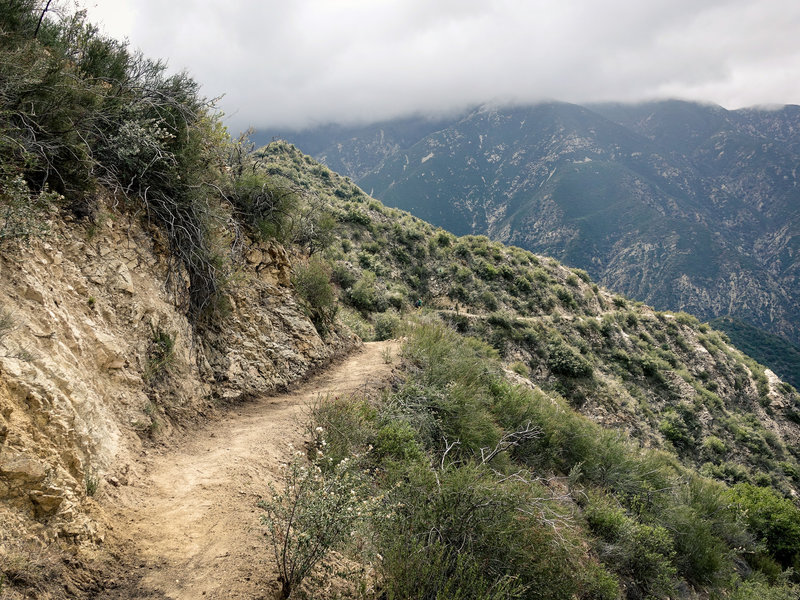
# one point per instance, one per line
(189, 529)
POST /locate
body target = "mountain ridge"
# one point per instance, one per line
(705, 216)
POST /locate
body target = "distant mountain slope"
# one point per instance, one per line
(768, 349)
(681, 205)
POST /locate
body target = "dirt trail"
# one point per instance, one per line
(191, 524)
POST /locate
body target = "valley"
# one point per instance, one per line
(683, 206)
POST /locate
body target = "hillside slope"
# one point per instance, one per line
(97, 363)
(665, 378)
(683, 206)
(640, 447)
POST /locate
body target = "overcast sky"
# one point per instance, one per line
(304, 62)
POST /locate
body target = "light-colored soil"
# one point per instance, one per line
(189, 528)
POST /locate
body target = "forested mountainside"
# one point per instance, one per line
(683, 206)
(541, 437)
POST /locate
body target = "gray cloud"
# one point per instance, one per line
(313, 61)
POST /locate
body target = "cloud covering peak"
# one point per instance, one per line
(292, 64)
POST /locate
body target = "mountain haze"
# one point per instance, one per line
(681, 205)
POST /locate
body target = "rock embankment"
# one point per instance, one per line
(96, 360)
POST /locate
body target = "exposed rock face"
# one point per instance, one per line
(77, 387)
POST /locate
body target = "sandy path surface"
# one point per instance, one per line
(191, 525)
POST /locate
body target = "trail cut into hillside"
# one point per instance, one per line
(190, 527)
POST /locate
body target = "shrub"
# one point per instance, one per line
(310, 514)
(563, 360)
(386, 326)
(674, 428)
(396, 440)
(160, 355)
(773, 520)
(460, 532)
(22, 212)
(364, 296)
(714, 447)
(354, 215)
(443, 239)
(342, 276)
(80, 110)
(267, 208)
(565, 297)
(340, 426)
(641, 553)
(312, 280)
(488, 300)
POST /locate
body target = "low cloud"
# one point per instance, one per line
(293, 64)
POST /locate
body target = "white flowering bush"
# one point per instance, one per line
(313, 511)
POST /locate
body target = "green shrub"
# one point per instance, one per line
(755, 589)
(460, 532)
(311, 513)
(645, 556)
(396, 440)
(343, 276)
(606, 518)
(773, 520)
(312, 280)
(713, 446)
(488, 300)
(160, 355)
(364, 294)
(674, 428)
(443, 239)
(563, 360)
(565, 297)
(387, 326)
(354, 215)
(341, 426)
(23, 213)
(267, 208)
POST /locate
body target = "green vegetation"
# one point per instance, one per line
(479, 488)
(662, 377)
(312, 280)
(160, 356)
(315, 510)
(84, 117)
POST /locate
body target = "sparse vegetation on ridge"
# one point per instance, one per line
(665, 378)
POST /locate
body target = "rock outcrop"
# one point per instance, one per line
(83, 311)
